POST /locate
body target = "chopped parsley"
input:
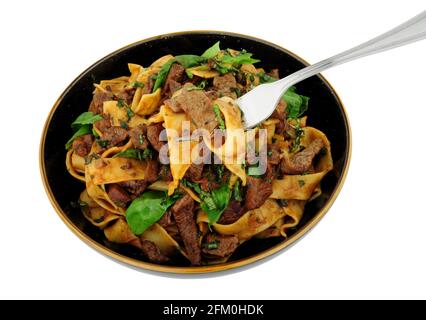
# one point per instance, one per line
(120, 103)
(219, 118)
(129, 112)
(137, 84)
(211, 245)
(301, 183)
(102, 143)
(123, 124)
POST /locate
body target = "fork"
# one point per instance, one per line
(258, 104)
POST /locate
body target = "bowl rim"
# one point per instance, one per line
(208, 268)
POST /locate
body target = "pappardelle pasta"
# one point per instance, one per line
(169, 169)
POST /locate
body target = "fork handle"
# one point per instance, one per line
(410, 31)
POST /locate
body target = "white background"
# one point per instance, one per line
(371, 244)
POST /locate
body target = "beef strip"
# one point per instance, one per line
(153, 134)
(225, 85)
(82, 145)
(114, 135)
(220, 245)
(302, 161)
(97, 104)
(138, 137)
(184, 216)
(134, 187)
(118, 195)
(153, 252)
(280, 111)
(212, 95)
(166, 220)
(126, 95)
(273, 154)
(173, 79)
(165, 173)
(274, 73)
(258, 190)
(197, 106)
(232, 213)
(151, 171)
(194, 172)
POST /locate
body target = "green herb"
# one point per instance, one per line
(137, 84)
(129, 112)
(85, 118)
(237, 91)
(299, 135)
(95, 134)
(162, 75)
(265, 78)
(82, 203)
(189, 74)
(189, 60)
(296, 103)
(103, 143)
(219, 171)
(202, 84)
(238, 60)
(147, 209)
(82, 125)
(269, 153)
(216, 202)
(193, 88)
(84, 129)
(120, 103)
(135, 154)
(211, 245)
(123, 124)
(195, 186)
(212, 51)
(88, 159)
(223, 69)
(219, 118)
(237, 191)
(301, 183)
(213, 203)
(141, 139)
(255, 171)
(251, 77)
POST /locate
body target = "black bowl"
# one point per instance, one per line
(326, 113)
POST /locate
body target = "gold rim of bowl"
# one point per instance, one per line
(209, 268)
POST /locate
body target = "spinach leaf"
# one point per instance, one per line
(212, 51)
(216, 202)
(242, 58)
(85, 118)
(213, 203)
(135, 154)
(84, 129)
(162, 75)
(147, 209)
(189, 60)
(296, 103)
